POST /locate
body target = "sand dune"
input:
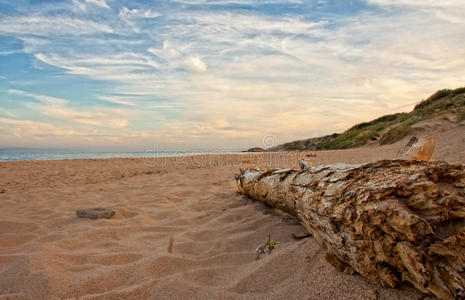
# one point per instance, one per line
(47, 252)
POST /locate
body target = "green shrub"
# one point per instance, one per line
(397, 133)
(387, 118)
(461, 116)
(383, 119)
(435, 97)
(394, 135)
(399, 124)
(458, 91)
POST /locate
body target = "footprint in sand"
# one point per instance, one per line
(118, 259)
(16, 227)
(14, 240)
(13, 234)
(124, 213)
(214, 276)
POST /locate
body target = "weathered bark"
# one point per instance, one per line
(391, 221)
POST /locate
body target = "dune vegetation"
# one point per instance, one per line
(389, 128)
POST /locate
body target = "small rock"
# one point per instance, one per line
(256, 149)
(303, 164)
(95, 213)
(2, 191)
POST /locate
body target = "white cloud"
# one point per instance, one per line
(82, 4)
(284, 68)
(118, 100)
(101, 3)
(419, 3)
(109, 67)
(16, 92)
(7, 113)
(28, 129)
(110, 118)
(42, 98)
(127, 13)
(196, 64)
(58, 108)
(241, 2)
(50, 26)
(251, 74)
(28, 133)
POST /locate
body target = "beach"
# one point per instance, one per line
(232, 149)
(181, 231)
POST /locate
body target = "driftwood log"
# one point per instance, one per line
(391, 221)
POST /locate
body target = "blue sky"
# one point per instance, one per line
(125, 75)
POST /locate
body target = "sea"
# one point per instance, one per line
(19, 155)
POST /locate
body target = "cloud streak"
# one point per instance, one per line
(46, 27)
(58, 108)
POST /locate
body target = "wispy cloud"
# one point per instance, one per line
(30, 129)
(127, 13)
(240, 2)
(58, 108)
(7, 113)
(48, 27)
(101, 3)
(196, 64)
(83, 4)
(419, 3)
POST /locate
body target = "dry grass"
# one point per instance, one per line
(389, 128)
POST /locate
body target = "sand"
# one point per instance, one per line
(180, 232)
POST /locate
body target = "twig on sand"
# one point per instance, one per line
(284, 219)
(284, 215)
(261, 249)
(171, 244)
(302, 236)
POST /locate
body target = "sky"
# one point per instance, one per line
(215, 74)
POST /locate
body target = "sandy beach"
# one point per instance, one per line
(181, 231)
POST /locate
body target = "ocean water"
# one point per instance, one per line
(58, 155)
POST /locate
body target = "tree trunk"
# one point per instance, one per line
(391, 221)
